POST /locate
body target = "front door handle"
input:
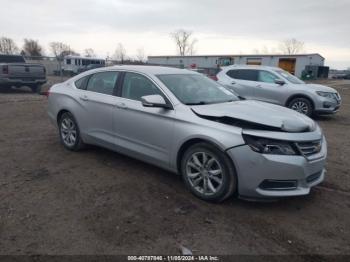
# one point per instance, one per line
(260, 86)
(84, 98)
(121, 106)
(233, 83)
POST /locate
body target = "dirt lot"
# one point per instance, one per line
(53, 201)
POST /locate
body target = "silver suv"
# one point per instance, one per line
(274, 85)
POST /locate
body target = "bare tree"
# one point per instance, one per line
(291, 46)
(191, 49)
(60, 50)
(120, 53)
(184, 41)
(140, 55)
(89, 52)
(8, 46)
(32, 48)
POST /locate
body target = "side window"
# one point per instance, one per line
(81, 83)
(136, 86)
(233, 74)
(243, 74)
(68, 61)
(267, 77)
(103, 82)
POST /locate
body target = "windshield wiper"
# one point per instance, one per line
(197, 103)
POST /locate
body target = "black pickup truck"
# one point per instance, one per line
(15, 72)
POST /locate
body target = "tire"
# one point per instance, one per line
(69, 132)
(36, 89)
(301, 105)
(220, 184)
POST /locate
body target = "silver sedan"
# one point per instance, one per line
(188, 124)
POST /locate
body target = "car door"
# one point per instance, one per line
(143, 132)
(243, 82)
(98, 100)
(267, 90)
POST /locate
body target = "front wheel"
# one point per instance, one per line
(69, 132)
(301, 105)
(208, 172)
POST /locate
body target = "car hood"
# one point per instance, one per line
(259, 113)
(322, 88)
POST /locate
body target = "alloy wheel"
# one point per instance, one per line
(204, 173)
(68, 132)
(300, 107)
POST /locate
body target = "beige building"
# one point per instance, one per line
(294, 64)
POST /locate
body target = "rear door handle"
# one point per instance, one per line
(84, 98)
(121, 106)
(260, 86)
(233, 83)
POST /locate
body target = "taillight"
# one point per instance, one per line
(47, 93)
(5, 69)
(214, 78)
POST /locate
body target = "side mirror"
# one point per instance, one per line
(279, 82)
(154, 101)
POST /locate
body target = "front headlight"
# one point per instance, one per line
(270, 146)
(326, 94)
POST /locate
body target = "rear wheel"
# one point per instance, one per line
(208, 172)
(301, 105)
(36, 88)
(69, 132)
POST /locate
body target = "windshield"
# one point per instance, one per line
(289, 77)
(193, 89)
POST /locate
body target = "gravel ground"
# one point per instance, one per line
(53, 201)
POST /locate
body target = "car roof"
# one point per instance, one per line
(250, 67)
(154, 70)
(150, 70)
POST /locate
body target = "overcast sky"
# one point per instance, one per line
(221, 26)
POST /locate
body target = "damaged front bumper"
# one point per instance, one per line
(269, 176)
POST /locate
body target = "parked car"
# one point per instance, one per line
(338, 76)
(14, 71)
(189, 124)
(274, 85)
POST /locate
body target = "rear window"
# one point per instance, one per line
(11, 59)
(81, 83)
(243, 74)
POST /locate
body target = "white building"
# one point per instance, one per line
(294, 64)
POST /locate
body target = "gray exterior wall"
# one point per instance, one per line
(214, 61)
